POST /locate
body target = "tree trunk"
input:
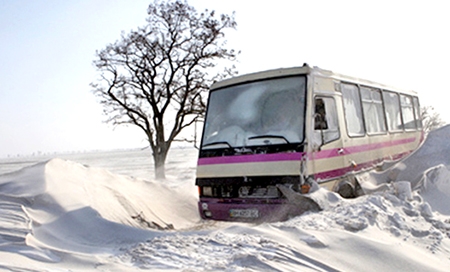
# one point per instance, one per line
(159, 158)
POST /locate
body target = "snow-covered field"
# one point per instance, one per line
(104, 212)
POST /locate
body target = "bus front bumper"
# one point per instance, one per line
(248, 210)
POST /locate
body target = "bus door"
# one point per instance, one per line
(355, 127)
(326, 143)
(356, 142)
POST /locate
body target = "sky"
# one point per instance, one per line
(47, 48)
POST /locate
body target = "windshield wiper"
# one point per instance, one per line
(218, 143)
(269, 136)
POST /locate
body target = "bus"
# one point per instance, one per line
(273, 134)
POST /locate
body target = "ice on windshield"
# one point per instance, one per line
(242, 115)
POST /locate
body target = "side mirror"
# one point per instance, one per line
(197, 140)
(320, 120)
(326, 126)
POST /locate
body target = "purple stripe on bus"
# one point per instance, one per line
(326, 154)
(297, 156)
(342, 171)
(294, 156)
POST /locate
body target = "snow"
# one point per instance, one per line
(103, 211)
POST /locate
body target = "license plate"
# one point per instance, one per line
(244, 213)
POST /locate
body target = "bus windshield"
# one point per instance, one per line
(261, 113)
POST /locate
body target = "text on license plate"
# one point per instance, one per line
(246, 213)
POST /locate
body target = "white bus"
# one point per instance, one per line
(273, 133)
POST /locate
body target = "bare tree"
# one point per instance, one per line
(431, 119)
(156, 77)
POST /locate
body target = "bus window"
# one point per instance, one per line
(352, 108)
(326, 127)
(242, 115)
(417, 113)
(373, 110)
(407, 112)
(393, 116)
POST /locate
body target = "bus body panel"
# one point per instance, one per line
(363, 154)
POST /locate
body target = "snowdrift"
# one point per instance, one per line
(60, 215)
(65, 206)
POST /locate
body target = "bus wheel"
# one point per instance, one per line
(346, 189)
(349, 188)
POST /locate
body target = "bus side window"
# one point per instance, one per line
(373, 110)
(417, 113)
(406, 103)
(393, 111)
(353, 110)
(326, 127)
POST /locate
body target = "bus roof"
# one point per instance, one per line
(303, 70)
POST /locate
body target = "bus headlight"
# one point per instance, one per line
(207, 213)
